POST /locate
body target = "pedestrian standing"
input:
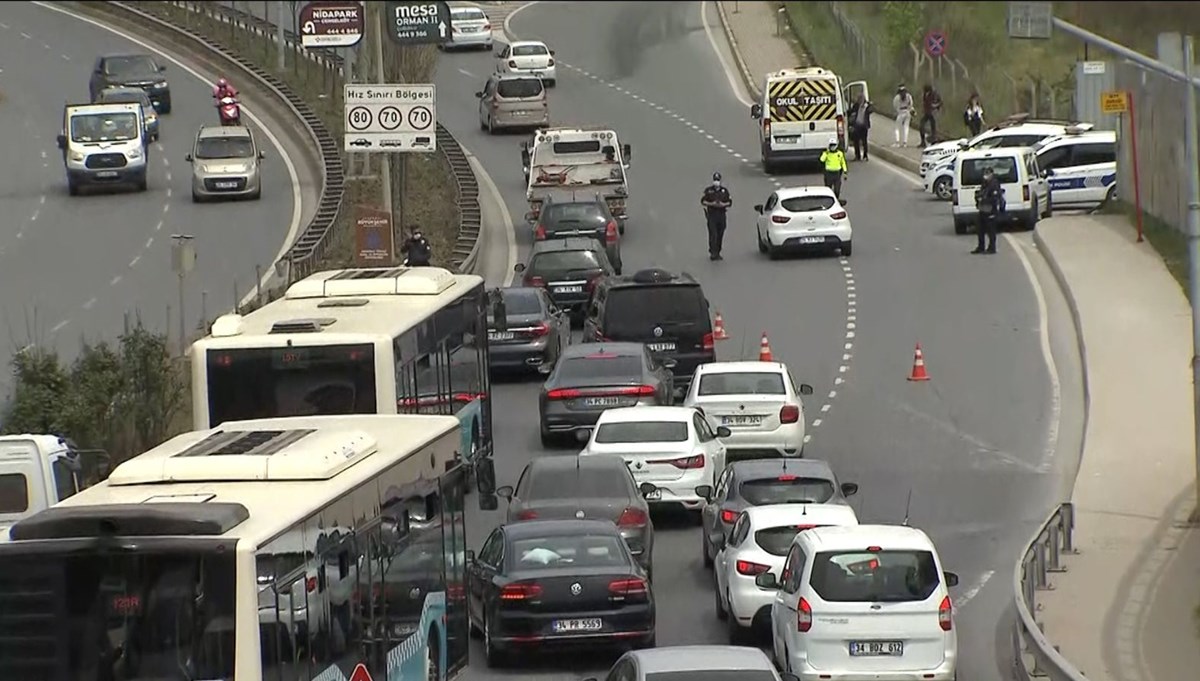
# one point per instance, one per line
(973, 115)
(903, 105)
(989, 201)
(833, 160)
(931, 106)
(860, 126)
(716, 201)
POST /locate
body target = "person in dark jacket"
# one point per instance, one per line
(931, 106)
(716, 201)
(860, 125)
(973, 115)
(418, 249)
(989, 199)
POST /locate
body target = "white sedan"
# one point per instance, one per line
(759, 402)
(758, 543)
(803, 218)
(529, 58)
(672, 448)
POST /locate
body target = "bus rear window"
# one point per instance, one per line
(317, 380)
(14, 493)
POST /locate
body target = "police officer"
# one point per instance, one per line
(716, 201)
(834, 161)
(418, 249)
(989, 200)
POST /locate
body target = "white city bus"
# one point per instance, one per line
(271, 550)
(357, 341)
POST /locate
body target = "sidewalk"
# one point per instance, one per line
(750, 31)
(1114, 613)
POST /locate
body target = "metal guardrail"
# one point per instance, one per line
(465, 252)
(1036, 657)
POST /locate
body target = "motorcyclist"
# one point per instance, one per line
(716, 201)
(224, 89)
(417, 249)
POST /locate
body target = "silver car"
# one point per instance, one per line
(718, 663)
(225, 163)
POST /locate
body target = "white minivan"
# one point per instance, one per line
(863, 601)
(1026, 191)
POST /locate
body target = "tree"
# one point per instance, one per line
(903, 22)
(41, 386)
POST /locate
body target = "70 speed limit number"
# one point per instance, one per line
(384, 109)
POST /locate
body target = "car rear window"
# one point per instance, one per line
(518, 302)
(621, 368)
(549, 553)
(642, 431)
(569, 216)
(469, 15)
(519, 88)
(565, 260)
(776, 540)
(582, 483)
(874, 576)
(786, 489)
(529, 50)
(807, 204)
(1005, 168)
(741, 383)
(633, 312)
(14, 493)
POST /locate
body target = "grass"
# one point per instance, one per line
(1170, 244)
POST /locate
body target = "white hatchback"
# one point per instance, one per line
(803, 219)
(759, 543)
(759, 402)
(529, 58)
(672, 448)
(868, 601)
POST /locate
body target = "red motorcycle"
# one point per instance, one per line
(229, 110)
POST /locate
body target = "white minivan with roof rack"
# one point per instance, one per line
(1026, 192)
(863, 602)
(1081, 167)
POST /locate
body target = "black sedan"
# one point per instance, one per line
(594, 487)
(759, 482)
(581, 218)
(590, 378)
(557, 583)
(567, 268)
(526, 330)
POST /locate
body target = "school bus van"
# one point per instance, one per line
(799, 110)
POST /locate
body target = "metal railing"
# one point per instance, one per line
(1036, 657)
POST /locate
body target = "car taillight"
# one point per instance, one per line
(550, 63)
(563, 394)
(728, 516)
(709, 342)
(766, 127)
(535, 281)
(1025, 193)
(803, 616)
(310, 584)
(487, 27)
(745, 567)
(520, 591)
(539, 233)
(780, 219)
(633, 517)
(627, 391)
(610, 232)
(946, 615)
(841, 127)
(527, 514)
(592, 281)
(598, 335)
(686, 463)
(840, 215)
(629, 588)
(512, 64)
(790, 413)
(539, 330)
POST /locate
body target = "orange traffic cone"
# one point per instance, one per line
(764, 349)
(719, 332)
(918, 369)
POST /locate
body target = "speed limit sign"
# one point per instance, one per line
(390, 118)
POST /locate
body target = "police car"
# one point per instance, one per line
(1081, 167)
(937, 161)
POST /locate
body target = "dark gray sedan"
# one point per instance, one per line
(598, 487)
(759, 482)
(526, 330)
(567, 268)
(596, 376)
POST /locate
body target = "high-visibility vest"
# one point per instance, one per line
(835, 161)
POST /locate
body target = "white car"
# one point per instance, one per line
(803, 218)
(528, 57)
(759, 402)
(671, 447)
(469, 27)
(759, 543)
(867, 601)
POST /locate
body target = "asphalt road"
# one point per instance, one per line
(971, 447)
(73, 265)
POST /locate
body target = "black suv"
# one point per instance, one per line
(132, 70)
(667, 312)
(581, 218)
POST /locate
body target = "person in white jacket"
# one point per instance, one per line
(903, 105)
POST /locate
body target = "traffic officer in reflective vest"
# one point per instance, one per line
(833, 160)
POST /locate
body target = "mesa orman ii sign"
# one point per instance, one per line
(418, 22)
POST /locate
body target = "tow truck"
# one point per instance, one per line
(558, 160)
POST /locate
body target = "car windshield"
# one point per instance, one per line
(519, 88)
(585, 551)
(741, 383)
(584, 482)
(106, 127)
(642, 431)
(224, 147)
(134, 64)
(1005, 168)
(633, 312)
(807, 204)
(786, 489)
(713, 675)
(571, 216)
(529, 50)
(874, 576)
(602, 366)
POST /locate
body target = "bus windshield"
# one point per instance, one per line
(134, 614)
(315, 380)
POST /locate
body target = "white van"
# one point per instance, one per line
(1080, 167)
(939, 175)
(799, 110)
(1026, 192)
(863, 601)
(104, 144)
(36, 472)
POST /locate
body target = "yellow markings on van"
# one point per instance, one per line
(803, 99)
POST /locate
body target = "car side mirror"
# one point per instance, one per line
(262, 155)
(583, 435)
(806, 389)
(470, 555)
(505, 492)
(62, 141)
(758, 208)
(756, 111)
(951, 579)
(499, 55)
(1047, 172)
(849, 489)
(531, 217)
(767, 580)
(479, 95)
(188, 158)
(485, 476)
(669, 363)
(648, 489)
(519, 267)
(705, 492)
(627, 153)
(722, 431)
(162, 68)
(963, 144)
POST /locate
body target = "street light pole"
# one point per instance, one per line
(183, 260)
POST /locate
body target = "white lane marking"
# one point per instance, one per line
(149, 242)
(297, 199)
(159, 226)
(735, 79)
(166, 207)
(26, 35)
(65, 57)
(46, 45)
(1051, 446)
(974, 589)
(168, 192)
(91, 302)
(36, 213)
(115, 280)
(166, 161)
(466, 73)
(832, 394)
(817, 423)
(136, 259)
(807, 439)
(825, 408)
(508, 19)
(3, 25)
(42, 200)
(43, 154)
(60, 326)
(168, 176)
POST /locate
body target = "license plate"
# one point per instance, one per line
(106, 173)
(812, 239)
(876, 648)
(500, 335)
(226, 185)
(571, 626)
(786, 140)
(569, 289)
(601, 401)
(661, 347)
(741, 420)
